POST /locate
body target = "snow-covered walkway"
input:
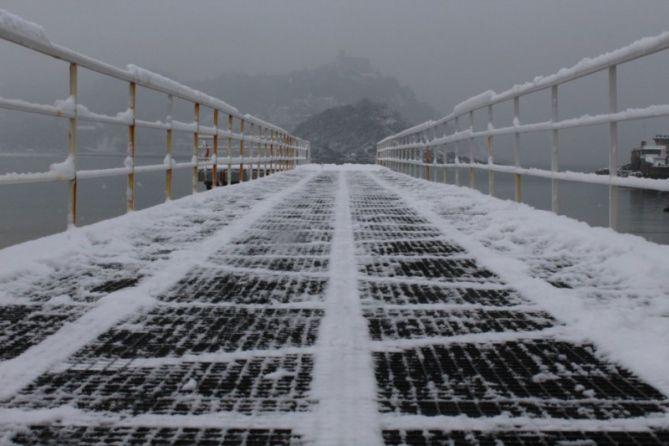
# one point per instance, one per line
(335, 306)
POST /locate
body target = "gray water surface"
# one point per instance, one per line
(35, 210)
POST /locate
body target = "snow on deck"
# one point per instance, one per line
(335, 306)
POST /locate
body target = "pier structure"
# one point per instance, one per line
(329, 305)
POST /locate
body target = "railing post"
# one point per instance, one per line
(256, 152)
(264, 152)
(214, 167)
(444, 155)
(241, 151)
(417, 155)
(457, 152)
(251, 149)
(472, 178)
(196, 144)
(168, 149)
(272, 135)
(491, 158)
(425, 160)
(279, 155)
(555, 143)
(613, 148)
(229, 174)
(130, 158)
(518, 191)
(72, 150)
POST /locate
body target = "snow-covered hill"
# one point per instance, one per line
(348, 134)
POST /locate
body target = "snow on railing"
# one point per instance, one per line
(251, 143)
(416, 150)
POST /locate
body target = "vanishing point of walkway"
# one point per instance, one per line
(311, 307)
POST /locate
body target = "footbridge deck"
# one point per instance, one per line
(343, 306)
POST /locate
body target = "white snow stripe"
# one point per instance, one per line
(511, 308)
(344, 383)
(68, 415)
(472, 338)
(508, 423)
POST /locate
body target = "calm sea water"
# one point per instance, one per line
(35, 210)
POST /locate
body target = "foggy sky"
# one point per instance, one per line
(445, 50)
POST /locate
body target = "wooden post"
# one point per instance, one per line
(168, 149)
(72, 150)
(196, 144)
(229, 174)
(214, 167)
(130, 158)
(241, 151)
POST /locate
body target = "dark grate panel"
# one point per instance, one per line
(251, 237)
(303, 224)
(412, 324)
(151, 436)
(292, 249)
(411, 248)
(379, 218)
(477, 438)
(407, 294)
(22, 326)
(541, 378)
(249, 386)
(176, 331)
(284, 264)
(217, 286)
(380, 209)
(445, 269)
(394, 234)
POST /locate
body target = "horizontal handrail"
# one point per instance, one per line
(585, 67)
(260, 145)
(415, 150)
(55, 175)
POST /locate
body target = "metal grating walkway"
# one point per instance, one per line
(311, 307)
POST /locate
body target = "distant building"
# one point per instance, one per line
(652, 161)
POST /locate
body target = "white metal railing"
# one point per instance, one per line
(416, 150)
(254, 144)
